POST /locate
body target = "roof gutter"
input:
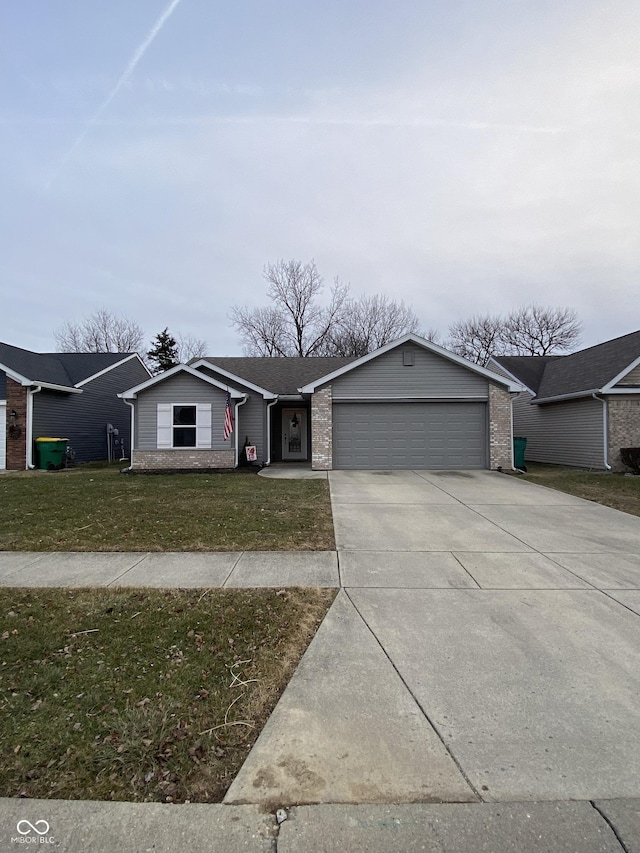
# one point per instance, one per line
(605, 430)
(573, 396)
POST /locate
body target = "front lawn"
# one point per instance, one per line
(100, 509)
(142, 695)
(615, 490)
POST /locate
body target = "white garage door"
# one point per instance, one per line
(409, 435)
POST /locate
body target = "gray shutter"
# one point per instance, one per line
(164, 426)
(203, 425)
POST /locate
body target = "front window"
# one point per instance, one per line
(184, 426)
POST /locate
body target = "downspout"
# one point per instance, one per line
(605, 430)
(513, 454)
(269, 405)
(133, 434)
(235, 427)
(29, 436)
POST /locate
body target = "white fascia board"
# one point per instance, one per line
(131, 393)
(26, 382)
(421, 342)
(560, 397)
(606, 389)
(112, 367)
(630, 389)
(204, 362)
(515, 379)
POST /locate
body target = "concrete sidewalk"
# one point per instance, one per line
(609, 826)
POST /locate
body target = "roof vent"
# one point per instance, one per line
(408, 357)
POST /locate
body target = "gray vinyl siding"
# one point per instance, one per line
(252, 422)
(632, 378)
(181, 388)
(386, 377)
(569, 433)
(3, 385)
(83, 418)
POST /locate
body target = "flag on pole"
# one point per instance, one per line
(228, 419)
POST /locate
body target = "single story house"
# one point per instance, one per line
(578, 409)
(64, 395)
(409, 404)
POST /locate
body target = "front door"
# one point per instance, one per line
(294, 434)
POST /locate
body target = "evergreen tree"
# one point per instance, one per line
(164, 351)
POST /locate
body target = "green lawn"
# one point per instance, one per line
(614, 490)
(99, 509)
(142, 695)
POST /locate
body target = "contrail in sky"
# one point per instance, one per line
(128, 71)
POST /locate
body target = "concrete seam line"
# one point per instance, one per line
(615, 600)
(232, 570)
(122, 574)
(465, 569)
(571, 572)
(415, 699)
(339, 570)
(611, 826)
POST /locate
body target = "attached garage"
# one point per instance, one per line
(433, 435)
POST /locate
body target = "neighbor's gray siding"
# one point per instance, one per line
(181, 388)
(83, 418)
(386, 377)
(252, 422)
(3, 385)
(569, 433)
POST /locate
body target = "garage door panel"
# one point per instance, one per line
(410, 435)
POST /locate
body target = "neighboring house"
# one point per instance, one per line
(409, 404)
(63, 395)
(578, 409)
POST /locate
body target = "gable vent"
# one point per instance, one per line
(408, 357)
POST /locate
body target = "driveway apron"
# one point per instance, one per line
(485, 646)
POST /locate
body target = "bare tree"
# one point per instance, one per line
(476, 339)
(532, 330)
(367, 324)
(101, 331)
(536, 330)
(189, 347)
(296, 322)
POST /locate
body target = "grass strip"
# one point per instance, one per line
(142, 695)
(103, 510)
(615, 490)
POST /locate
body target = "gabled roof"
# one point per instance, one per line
(525, 368)
(56, 370)
(581, 373)
(275, 375)
(131, 393)
(310, 387)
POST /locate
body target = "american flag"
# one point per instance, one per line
(228, 419)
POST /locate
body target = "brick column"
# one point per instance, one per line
(500, 439)
(321, 430)
(623, 427)
(16, 427)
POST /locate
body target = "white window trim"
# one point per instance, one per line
(165, 426)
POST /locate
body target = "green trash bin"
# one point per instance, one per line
(519, 445)
(51, 453)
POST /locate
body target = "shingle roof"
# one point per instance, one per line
(279, 375)
(586, 370)
(58, 368)
(526, 368)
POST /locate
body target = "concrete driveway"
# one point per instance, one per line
(485, 647)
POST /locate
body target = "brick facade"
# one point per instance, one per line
(16, 427)
(500, 438)
(322, 430)
(623, 427)
(159, 460)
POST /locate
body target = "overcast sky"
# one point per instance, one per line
(467, 156)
